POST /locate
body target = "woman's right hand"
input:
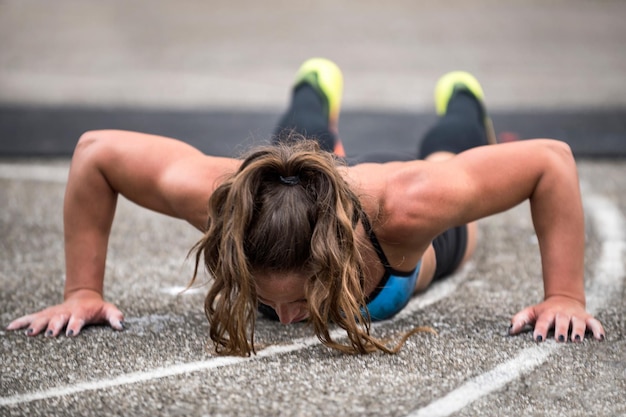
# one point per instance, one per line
(79, 309)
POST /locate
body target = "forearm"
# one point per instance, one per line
(559, 223)
(89, 207)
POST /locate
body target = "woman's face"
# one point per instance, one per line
(284, 292)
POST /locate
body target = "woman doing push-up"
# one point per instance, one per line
(293, 231)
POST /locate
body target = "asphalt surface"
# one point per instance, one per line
(215, 55)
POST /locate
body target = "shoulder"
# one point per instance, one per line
(403, 199)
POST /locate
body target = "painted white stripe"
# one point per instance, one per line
(137, 377)
(609, 272)
(34, 172)
(125, 379)
(440, 290)
(181, 290)
(607, 281)
(488, 382)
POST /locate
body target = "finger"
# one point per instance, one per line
(596, 328)
(521, 319)
(578, 329)
(542, 326)
(56, 325)
(20, 323)
(74, 326)
(37, 326)
(561, 327)
(115, 318)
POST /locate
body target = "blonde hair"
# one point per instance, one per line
(304, 221)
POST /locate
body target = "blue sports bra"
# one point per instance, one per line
(394, 290)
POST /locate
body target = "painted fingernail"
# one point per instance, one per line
(70, 333)
(561, 338)
(539, 338)
(602, 338)
(122, 324)
(29, 331)
(49, 333)
(510, 328)
(577, 338)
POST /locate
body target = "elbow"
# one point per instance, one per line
(558, 151)
(559, 171)
(554, 158)
(93, 143)
(94, 149)
(88, 139)
(85, 145)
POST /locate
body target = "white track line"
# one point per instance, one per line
(181, 290)
(478, 387)
(136, 377)
(438, 291)
(609, 271)
(607, 280)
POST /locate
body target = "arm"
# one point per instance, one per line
(489, 180)
(161, 174)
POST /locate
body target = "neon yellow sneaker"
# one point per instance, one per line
(456, 81)
(327, 80)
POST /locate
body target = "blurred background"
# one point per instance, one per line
(217, 73)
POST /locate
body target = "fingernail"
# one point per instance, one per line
(577, 338)
(29, 331)
(510, 328)
(539, 338)
(122, 324)
(602, 338)
(561, 338)
(70, 333)
(49, 333)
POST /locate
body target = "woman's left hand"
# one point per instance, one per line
(561, 314)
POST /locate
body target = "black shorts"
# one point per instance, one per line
(450, 248)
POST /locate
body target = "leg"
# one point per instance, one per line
(315, 104)
(463, 125)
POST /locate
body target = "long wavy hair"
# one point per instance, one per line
(259, 222)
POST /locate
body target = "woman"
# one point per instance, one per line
(293, 231)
